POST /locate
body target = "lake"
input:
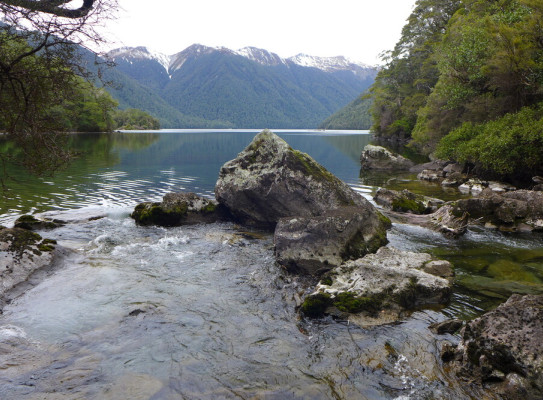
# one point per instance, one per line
(202, 312)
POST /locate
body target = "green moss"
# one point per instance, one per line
(20, 240)
(384, 220)
(45, 247)
(312, 168)
(349, 302)
(327, 280)
(315, 305)
(209, 208)
(403, 204)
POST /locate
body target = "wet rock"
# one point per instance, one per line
(430, 175)
(178, 209)
(500, 187)
(449, 326)
(406, 201)
(390, 279)
(269, 180)
(537, 179)
(454, 179)
(22, 252)
(435, 165)
(32, 223)
(441, 268)
(519, 210)
(380, 158)
(473, 185)
(503, 347)
(450, 221)
(313, 245)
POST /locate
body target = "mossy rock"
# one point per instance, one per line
(403, 204)
(314, 306)
(30, 222)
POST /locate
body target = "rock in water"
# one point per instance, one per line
(269, 180)
(313, 245)
(379, 158)
(504, 347)
(178, 209)
(21, 253)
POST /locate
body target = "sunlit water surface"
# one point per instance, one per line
(202, 312)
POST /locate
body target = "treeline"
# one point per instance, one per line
(355, 115)
(466, 81)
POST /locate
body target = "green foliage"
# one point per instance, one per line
(506, 145)
(355, 115)
(135, 119)
(484, 62)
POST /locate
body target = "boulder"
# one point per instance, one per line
(454, 179)
(406, 201)
(269, 180)
(473, 185)
(449, 221)
(435, 165)
(503, 348)
(430, 175)
(389, 279)
(22, 252)
(178, 209)
(380, 158)
(313, 245)
(32, 223)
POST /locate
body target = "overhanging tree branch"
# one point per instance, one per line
(53, 7)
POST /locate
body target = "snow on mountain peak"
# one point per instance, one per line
(260, 56)
(328, 64)
(140, 53)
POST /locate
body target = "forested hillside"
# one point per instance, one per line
(355, 115)
(466, 79)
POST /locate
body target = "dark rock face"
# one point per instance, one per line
(405, 201)
(379, 158)
(515, 210)
(504, 346)
(178, 209)
(313, 245)
(269, 180)
(21, 253)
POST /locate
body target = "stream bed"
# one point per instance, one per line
(203, 312)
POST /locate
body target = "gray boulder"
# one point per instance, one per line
(503, 348)
(22, 252)
(313, 245)
(380, 158)
(390, 279)
(269, 180)
(178, 209)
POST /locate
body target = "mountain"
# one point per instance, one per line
(248, 88)
(355, 115)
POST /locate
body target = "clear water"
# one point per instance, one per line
(202, 312)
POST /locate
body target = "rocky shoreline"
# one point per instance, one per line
(332, 236)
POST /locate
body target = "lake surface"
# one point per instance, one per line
(202, 312)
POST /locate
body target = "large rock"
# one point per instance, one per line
(22, 252)
(389, 279)
(503, 347)
(380, 158)
(178, 209)
(406, 201)
(269, 180)
(313, 245)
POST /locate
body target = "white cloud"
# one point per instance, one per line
(358, 29)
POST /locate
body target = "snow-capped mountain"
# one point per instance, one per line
(243, 88)
(174, 62)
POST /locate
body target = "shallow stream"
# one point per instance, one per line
(202, 312)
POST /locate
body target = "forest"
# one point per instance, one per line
(465, 83)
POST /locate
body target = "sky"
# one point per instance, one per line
(357, 29)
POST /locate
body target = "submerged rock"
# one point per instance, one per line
(269, 180)
(380, 158)
(32, 223)
(313, 245)
(390, 279)
(503, 348)
(406, 201)
(22, 252)
(178, 209)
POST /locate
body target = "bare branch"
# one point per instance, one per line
(52, 7)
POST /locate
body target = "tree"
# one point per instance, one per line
(39, 70)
